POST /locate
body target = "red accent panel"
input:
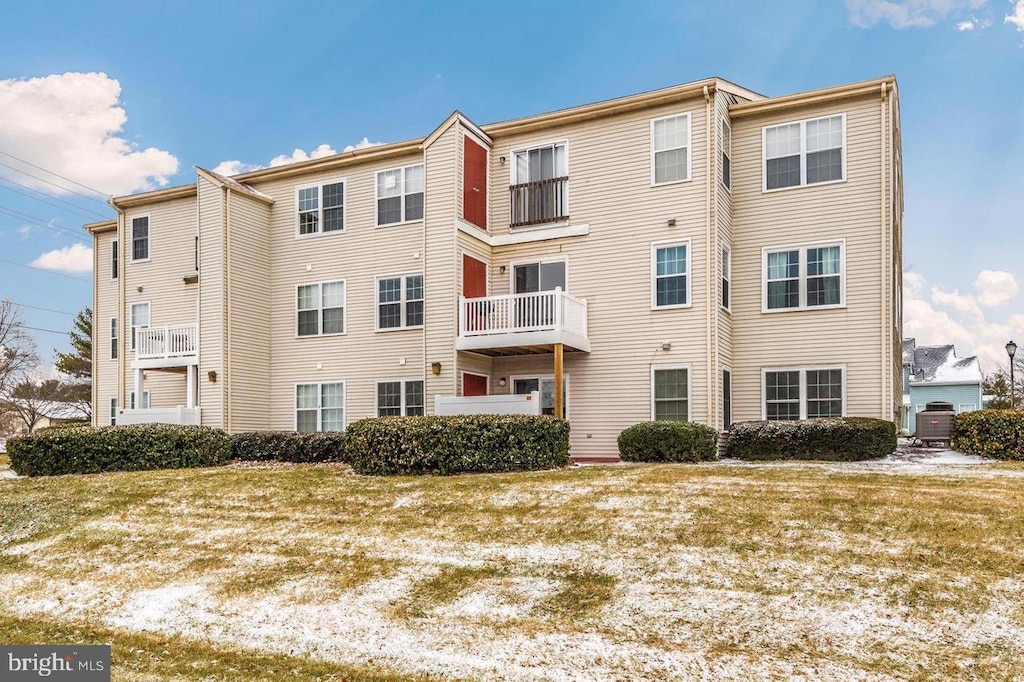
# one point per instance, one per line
(474, 184)
(474, 277)
(474, 384)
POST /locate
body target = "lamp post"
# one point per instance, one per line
(1011, 350)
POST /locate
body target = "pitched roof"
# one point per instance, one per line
(939, 364)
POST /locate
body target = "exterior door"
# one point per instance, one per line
(474, 277)
(473, 384)
(474, 183)
(532, 311)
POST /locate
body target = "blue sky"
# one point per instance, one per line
(191, 83)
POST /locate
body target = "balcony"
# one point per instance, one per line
(539, 202)
(517, 324)
(173, 345)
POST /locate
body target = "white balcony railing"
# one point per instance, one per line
(166, 342)
(538, 317)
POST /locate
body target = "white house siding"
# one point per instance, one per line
(211, 301)
(104, 308)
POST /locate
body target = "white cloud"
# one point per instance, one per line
(967, 25)
(25, 231)
(995, 287)
(72, 124)
(235, 167)
(1017, 17)
(75, 258)
(908, 13)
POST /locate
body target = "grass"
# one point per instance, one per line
(5, 461)
(639, 572)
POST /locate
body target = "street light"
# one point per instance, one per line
(1011, 350)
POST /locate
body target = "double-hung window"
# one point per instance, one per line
(140, 238)
(320, 309)
(113, 260)
(670, 393)
(805, 152)
(726, 277)
(320, 407)
(400, 398)
(726, 155)
(805, 277)
(113, 338)
(669, 282)
(670, 149)
(539, 193)
(140, 319)
(400, 195)
(803, 393)
(321, 208)
(113, 411)
(400, 302)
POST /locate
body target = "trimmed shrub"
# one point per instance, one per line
(118, 448)
(837, 439)
(990, 433)
(452, 445)
(668, 441)
(288, 446)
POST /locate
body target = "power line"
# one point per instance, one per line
(41, 222)
(52, 201)
(49, 272)
(55, 174)
(53, 184)
(40, 329)
(35, 307)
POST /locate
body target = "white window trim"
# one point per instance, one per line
(971, 407)
(403, 406)
(112, 417)
(727, 276)
(688, 148)
(802, 369)
(732, 384)
(541, 377)
(462, 382)
(654, 274)
(689, 386)
(320, 311)
(115, 257)
(512, 265)
(131, 239)
(320, 208)
(803, 154)
(377, 197)
(115, 336)
(512, 180)
(377, 303)
(147, 398)
(802, 276)
(319, 404)
(131, 318)
(727, 150)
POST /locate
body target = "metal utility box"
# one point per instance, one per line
(935, 423)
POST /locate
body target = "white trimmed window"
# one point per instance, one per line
(669, 269)
(670, 149)
(803, 393)
(140, 319)
(145, 400)
(545, 385)
(321, 208)
(113, 411)
(670, 393)
(400, 195)
(400, 398)
(320, 309)
(726, 154)
(804, 277)
(113, 338)
(726, 398)
(140, 238)
(113, 260)
(966, 407)
(320, 407)
(539, 192)
(726, 278)
(805, 152)
(400, 302)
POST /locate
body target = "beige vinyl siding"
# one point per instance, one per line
(249, 359)
(172, 231)
(610, 190)
(847, 210)
(104, 308)
(471, 362)
(723, 226)
(358, 255)
(211, 301)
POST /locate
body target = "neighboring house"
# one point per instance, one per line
(935, 373)
(699, 252)
(43, 414)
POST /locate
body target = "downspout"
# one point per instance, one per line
(94, 389)
(428, 406)
(712, 382)
(226, 340)
(885, 262)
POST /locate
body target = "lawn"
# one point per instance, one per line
(833, 572)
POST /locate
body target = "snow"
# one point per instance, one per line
(956, 369)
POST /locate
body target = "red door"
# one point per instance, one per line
(474, 277)
(474, 184)
(473, 384)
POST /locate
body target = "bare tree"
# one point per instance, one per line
(17, 348)
(29, 401)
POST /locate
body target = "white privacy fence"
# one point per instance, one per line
(488, 404)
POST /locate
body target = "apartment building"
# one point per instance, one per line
(700, 252)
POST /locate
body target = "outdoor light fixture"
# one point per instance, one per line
(435, 367)
(502, 381)
(1011, 350)
(212, 376)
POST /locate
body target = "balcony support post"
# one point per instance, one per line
(190, 386)
(559, 407)
(138, 390)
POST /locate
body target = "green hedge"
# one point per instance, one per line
(451, 445)
(668, 441)
(846, 439)
(990, 433)
(288, 446)
(118, 448)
